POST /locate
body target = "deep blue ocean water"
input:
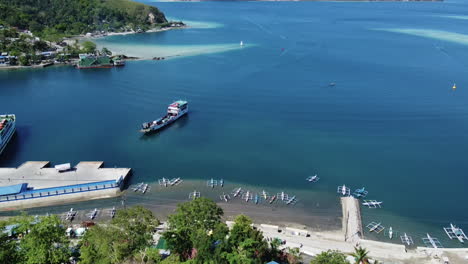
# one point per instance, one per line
(265, 114)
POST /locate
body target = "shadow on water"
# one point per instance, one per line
(178, 124)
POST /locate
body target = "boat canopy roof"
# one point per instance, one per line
(178, 103)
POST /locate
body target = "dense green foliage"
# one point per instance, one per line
(44, 241)
(196, 235)
(128, 236)
(14, 43)
(52, 19)
(330, 257)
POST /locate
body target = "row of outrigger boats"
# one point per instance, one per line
(70, 215)
(360, 193)
(141, 187)
(452, 231)
(249, 196)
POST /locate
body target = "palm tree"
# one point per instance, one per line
(360, 255)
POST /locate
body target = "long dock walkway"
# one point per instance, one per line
(35, 183)
(352, 224)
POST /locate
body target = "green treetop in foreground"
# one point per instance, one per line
(330, 257)
(52, 19)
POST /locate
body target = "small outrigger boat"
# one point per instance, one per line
(405, 239)
(237, 192)
(70, 215)
(225, 197)
(211, 183)
(265, 195)
(390, 232)
(257, 199)
(112, 212)
(144, 188)
(360, 193)
(174, 181)
(282, 196)
(138, 187)
(93, 214)
(247, 196)
(221, 183)
(455, 232)
(272, 199)
(174, 112)
(314, 178)
(291, 200)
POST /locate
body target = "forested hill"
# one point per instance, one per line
(72, 17)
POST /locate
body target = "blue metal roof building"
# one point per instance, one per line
(13, 189)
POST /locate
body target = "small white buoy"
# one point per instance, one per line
(242, 43)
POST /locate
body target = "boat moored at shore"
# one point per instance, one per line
(174, 112)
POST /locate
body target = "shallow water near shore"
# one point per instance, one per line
(266, 116)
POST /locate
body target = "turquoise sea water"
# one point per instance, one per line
(264, 114)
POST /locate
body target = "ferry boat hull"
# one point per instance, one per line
(165, 121)
(5, 136)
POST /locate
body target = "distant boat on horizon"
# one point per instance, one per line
(454, 86)
(241, 43)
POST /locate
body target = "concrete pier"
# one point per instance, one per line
(42, 185)
(352, 224)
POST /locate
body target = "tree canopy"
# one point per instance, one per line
(72, 17)
(330, 257)
(126, 237)
(45, 242)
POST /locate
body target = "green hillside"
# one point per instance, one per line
(72, 17)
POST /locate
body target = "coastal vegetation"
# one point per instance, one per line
(195, 233)
(54, 19)
(38, 32)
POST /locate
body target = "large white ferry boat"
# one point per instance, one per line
(7, 129)
(174, 112)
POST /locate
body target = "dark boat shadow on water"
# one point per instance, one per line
(178, 124)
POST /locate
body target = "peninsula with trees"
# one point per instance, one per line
(40, 32)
